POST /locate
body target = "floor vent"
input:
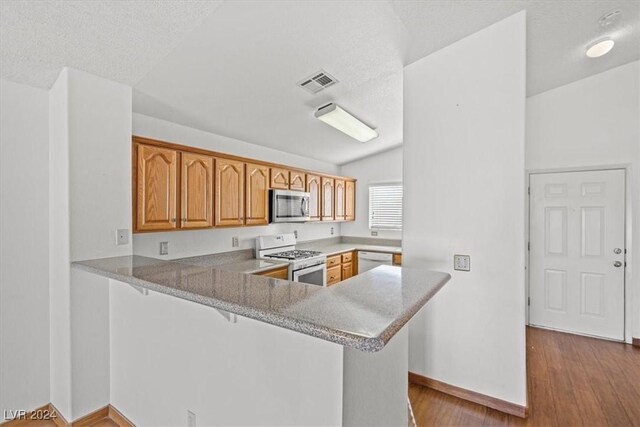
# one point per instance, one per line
(317, 82)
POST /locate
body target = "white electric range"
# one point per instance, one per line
(304, 266)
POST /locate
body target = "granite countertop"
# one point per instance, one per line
(363, 312)
(336, 248)
(252, 266)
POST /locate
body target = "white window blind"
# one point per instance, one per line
(385, 206)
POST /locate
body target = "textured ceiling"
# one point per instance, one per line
(231, 67)
(119, 40)
(558, 32)
(236, 75)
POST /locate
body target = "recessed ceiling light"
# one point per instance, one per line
(600, 48)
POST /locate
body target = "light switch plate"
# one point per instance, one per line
(462, 262)
(122, 236)
(234, 241)
(164, 248)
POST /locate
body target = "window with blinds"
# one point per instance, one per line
(385, 206)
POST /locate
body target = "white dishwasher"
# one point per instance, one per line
(369, 260)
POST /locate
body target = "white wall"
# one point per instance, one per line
(24, 259)
(464, 116)
(200, 242)
(59, 254)
(170, 356)
(90, 190)
(591, 123)
(380, 168)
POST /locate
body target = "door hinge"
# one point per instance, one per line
(528, 190)
(528, 246)
(529, 301)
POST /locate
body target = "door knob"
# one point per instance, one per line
(617, 251)
(617, 264)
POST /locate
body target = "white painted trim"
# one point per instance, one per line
(628, 293)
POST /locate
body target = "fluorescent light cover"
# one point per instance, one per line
(600, 48)
(335, 116)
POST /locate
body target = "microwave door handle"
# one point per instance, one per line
(303, 210)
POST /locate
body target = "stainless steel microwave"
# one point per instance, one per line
(289, 206)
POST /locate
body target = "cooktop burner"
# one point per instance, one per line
(295, 254)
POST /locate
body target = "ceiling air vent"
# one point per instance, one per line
(317, 81)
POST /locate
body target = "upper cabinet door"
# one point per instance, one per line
(339, 199)
(313, 187)
(296, 181)
(156, 170)
(257, 194)
(280, 178)
(350, 201)
(196, 209)
(229, 194)
(327, 213)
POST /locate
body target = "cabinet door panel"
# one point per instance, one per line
(338, 199)
(314, 188)
(257, 194)
(347, 270)
(196, 190)
(334, 275)
(229, 196)
(350, 201)
(156, 188)
(327, 199)
(296, 181)
(280, 178)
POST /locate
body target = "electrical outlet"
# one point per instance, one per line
(164, 248)
(462, 262)
(374, 233)
(122, 236)
(332, 231)
(234, 241)
(191, 419)
(295, 233)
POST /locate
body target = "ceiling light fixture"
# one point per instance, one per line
(335, 116)
(600, 48)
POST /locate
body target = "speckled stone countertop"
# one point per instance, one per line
(251, 266)
(363, 312)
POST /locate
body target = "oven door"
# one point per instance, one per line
(289, 206)
(315, 275)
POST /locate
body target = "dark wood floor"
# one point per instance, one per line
(573, 381)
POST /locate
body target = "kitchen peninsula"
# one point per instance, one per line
(337, 357)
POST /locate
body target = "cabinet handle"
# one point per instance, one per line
(184, 219)
(173, 220)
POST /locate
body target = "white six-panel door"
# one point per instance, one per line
(577, 223)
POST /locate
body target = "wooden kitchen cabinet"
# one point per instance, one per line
(327, 213)
(334, 275)
(347, 270)
(397, 259)
(156, 188)
(279, 178)
(333, 261)
(341, 267)
(229, 193)
(350, 201)
(338, 199)
(277, 273)
(179, 187)
(314, 188)
(257, 194)
(196, 190)
(297, 180)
